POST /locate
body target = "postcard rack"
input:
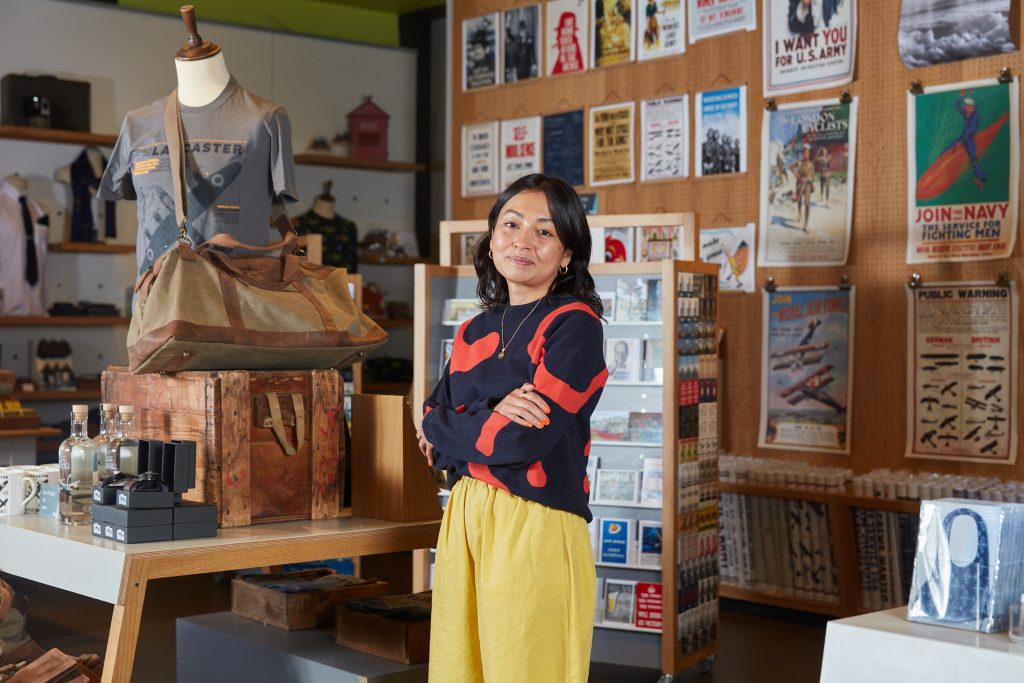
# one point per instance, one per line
(654, 431)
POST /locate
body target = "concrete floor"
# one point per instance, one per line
(758, 645)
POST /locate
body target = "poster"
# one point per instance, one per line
(612, 36)
(963, 166)
(480, 63)
(664, 138)
(808, 44)
(520, 148)
(521, 43)
(720, 131)
(480, 159)
(807, 164)
(962, 372)
(660, 29)
(563, 146)
(566, 37)
(939, 31)
(806, 370)
(611, 144)
(733, 250)
(710, 18)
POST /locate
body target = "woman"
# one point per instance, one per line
(510, 423)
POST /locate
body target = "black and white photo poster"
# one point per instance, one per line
(962, 372)
(664, 141)
(940, 31)
(481, 64)
(521, 43)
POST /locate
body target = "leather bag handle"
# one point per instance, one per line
(176, 153)
(277, 423)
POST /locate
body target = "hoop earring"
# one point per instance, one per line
(490, 254)
(563, 269)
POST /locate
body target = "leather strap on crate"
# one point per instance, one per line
(277, 423)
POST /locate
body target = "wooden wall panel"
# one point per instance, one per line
(877, 254)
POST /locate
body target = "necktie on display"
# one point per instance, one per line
(31, 266)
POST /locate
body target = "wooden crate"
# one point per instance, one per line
(295, 611)
(398, 641)
(240, 466)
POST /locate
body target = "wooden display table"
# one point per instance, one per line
(883, 647)
(70, 558)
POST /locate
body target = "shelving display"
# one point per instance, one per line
(658, 573)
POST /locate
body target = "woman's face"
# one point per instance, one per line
(525, 247)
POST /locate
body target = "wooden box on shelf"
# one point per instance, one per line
(251, 598)
(400, 641)
(241, 467)
(389, 477)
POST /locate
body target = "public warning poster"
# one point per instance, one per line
(808, 44)
(661, 29)
(611, 144)
(806, 370)
(963, 165)
(807, 163)
(714, 17)
(520, 148)
(566, 37)
(720, 131)
(480, 62)
(733, 250)
(563, 146)
(962, 372)
(664, 138)
(612, 35)
(480, 159)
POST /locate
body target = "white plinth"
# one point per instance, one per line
(884, 647)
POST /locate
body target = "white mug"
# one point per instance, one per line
(13, 486)
(43, 474)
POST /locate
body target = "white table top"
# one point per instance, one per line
(71, 558)
(884, 646)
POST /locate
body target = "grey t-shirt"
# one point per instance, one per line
(238, 161)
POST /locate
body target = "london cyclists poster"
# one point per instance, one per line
(963, 164)
(808, 156)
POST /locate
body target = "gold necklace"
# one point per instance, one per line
(501, 354)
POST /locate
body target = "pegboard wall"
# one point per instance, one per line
(876, 263)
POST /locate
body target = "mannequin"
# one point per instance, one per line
(202, 73)
(19, 183)
(323, 205)
(339, 234)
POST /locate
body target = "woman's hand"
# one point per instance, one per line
(426, 448)
(524, 407)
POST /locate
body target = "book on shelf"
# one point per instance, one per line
(652, 304)
(644, 427)
(599, 602)
(650, 543)
(659, 242)
(648, 605)
(617, 538)
(653, 365)
(467, 246)
(630, 300)
(617, 486)
(593, 526)
(593, 462)
(607, 297)
(623, 358)
(651, 480)
(446, 354)
(619, 245)
(619, 601)
(608, 425)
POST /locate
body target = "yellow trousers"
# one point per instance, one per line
(513, 594)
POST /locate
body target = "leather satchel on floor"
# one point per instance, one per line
(201, 309)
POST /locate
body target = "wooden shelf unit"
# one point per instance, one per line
(391, 260)
(63, 137)
(64, 321)
(841, 505)
(334, 161)
(90, 248)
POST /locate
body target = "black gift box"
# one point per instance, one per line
(187, 512)
(129, 517)
(151, 455)
(104, 495)
(145, 499)
(137, 534)
(196, 530)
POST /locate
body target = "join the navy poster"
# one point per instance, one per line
(807, 371)
(963, 172)
(563, 146)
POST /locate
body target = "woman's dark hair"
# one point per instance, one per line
(571, 226)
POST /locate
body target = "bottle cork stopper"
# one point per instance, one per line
(125, 409)
(79, 409)
(108, 407)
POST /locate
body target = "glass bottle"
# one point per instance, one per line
(108, 433)
(77, 459)
(125, 448)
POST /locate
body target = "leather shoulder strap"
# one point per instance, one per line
(176, 152)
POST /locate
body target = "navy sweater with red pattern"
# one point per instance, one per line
(560, 350)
